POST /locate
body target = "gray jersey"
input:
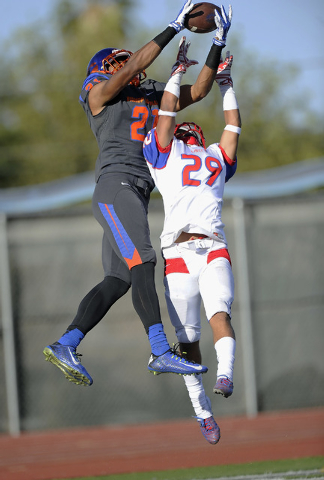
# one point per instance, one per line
(122, 125)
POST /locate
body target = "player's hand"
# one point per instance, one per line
(183, 62)
(178, 23)
(223, 75)
(223, 24)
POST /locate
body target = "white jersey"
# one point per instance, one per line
(191, 181)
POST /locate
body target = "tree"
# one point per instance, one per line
(44, 134)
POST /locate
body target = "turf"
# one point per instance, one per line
(201, 473)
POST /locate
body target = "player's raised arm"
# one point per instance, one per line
(167, 113)
(231, 133)
(190, 94)
(105, 91)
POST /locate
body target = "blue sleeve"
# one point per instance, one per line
(230, 170)
(156, 156)
(89, 82)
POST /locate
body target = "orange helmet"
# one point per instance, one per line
(110, 60)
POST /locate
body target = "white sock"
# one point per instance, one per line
(198, 397)
(225, 352)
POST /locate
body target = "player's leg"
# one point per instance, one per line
(92, 309)
(225, 344)
(183, 302)
(121, 208)
(217, 290)
(100, 299)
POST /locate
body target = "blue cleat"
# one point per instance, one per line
(68, 361)
(210, 429)
(224, 386)
(170, 362)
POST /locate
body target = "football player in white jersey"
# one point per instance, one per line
(191, 179)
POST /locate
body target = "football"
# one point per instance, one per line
(201, 18)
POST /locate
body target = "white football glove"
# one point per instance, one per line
(178, 23)
(182, 62)
(223, 25)
(223, 76)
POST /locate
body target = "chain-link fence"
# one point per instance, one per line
(55, 259)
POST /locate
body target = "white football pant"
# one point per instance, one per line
(195, 270)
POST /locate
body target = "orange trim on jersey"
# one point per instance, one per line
(175, 265)
(135, 100)
(151, 103)
(135, 260)
(221, 253)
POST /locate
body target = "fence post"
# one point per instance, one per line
(245, 308)
(8, 332)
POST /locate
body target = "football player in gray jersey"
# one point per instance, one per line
(121, 108)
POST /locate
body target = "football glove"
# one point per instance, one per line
(223, 75)
(182, 61)
(223, 24)
(178, 23)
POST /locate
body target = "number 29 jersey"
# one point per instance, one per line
(191, 181)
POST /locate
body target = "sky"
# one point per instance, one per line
(288, 30)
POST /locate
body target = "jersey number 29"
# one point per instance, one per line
(213, 165)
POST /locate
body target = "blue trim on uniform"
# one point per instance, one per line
(91, 77)
(125, 245)
(230, 170)
(155, 156)
(94, 75)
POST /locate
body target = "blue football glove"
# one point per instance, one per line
(223, 24)
(178, 23)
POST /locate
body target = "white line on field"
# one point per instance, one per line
(296, 475)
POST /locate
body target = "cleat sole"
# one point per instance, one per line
(219, 392)
(70, 373)
(174, 373)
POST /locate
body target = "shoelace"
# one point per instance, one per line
(178, 357)
(225, 380)
(208, 424)
(204, 422)
(182, 355)
(77, 355)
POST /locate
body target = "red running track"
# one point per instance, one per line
(161, 446)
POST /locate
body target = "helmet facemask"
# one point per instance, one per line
(116, 60)
(190, 133)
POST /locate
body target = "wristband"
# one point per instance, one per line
(233, 128)
(168, 114)
(214, 55)
(229, 98)
(165, 37)
(173, 85)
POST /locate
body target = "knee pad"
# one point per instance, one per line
(188, 334)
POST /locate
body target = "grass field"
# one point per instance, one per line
(303, 468)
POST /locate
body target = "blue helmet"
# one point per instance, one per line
(110, 60)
